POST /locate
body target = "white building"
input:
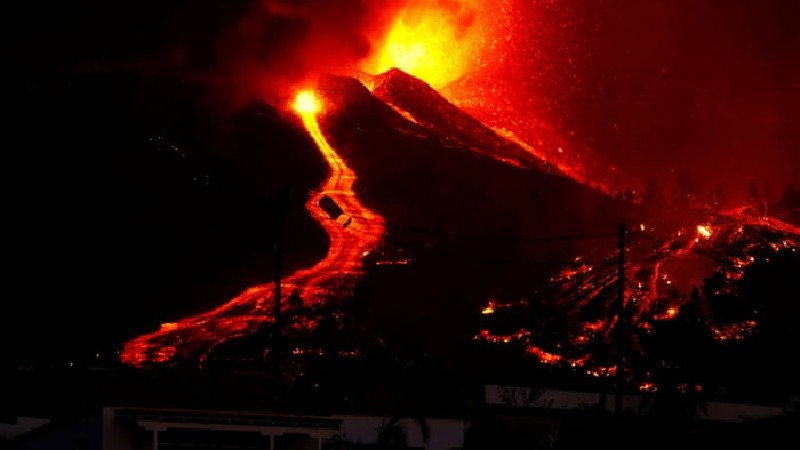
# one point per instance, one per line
(125, 428)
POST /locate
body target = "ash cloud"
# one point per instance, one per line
(236, 49)
(280, 45)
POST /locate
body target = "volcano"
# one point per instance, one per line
(440, 178)
(460, 218)
(548, 270)
(466, 216)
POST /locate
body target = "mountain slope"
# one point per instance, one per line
(472, 226)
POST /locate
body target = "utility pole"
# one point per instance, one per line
(277, 250)
(619, 329)
(281, 205)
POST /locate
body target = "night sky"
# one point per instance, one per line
(705, 87)
(661, 87)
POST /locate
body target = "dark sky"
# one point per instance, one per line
(238, 48)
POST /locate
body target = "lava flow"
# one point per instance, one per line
(353, 230)
(728, 243)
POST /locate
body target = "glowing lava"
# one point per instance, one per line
(192, 338)
(306, 103)
(736, 239)
(704, 230)
(436, 41)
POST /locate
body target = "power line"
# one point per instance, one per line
(395, 226)
(493, 260)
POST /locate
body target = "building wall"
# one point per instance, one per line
(445, 434)
(529, 397)
(83, 434)
(115, 435)
(20, 425)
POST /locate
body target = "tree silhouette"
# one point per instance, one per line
(685, 191)
(682, 349)
(393, 434)
(654, 198)
(755, 193)
(791, 196)
(719, 197)
(771, 287)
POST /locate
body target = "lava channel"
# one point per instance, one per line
(353, 233)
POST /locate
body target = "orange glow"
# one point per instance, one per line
(437, 42)
(648, 387)
(306, 103)
(543, 356)
(649, 293)
(252, 309)
(595, 326)
(568, 168)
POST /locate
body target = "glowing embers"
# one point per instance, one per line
(735, 331)
(704, 231)
(569, 165)
(669, 314)
(671, 286)
(493, 306)
(520, 336)
(434, 40)
(544, 357)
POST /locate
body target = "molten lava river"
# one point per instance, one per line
(352, 234)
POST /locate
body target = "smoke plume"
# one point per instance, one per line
(281, 45)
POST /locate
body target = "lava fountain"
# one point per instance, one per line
(436, 41)
(353, 230)
(483, 58)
